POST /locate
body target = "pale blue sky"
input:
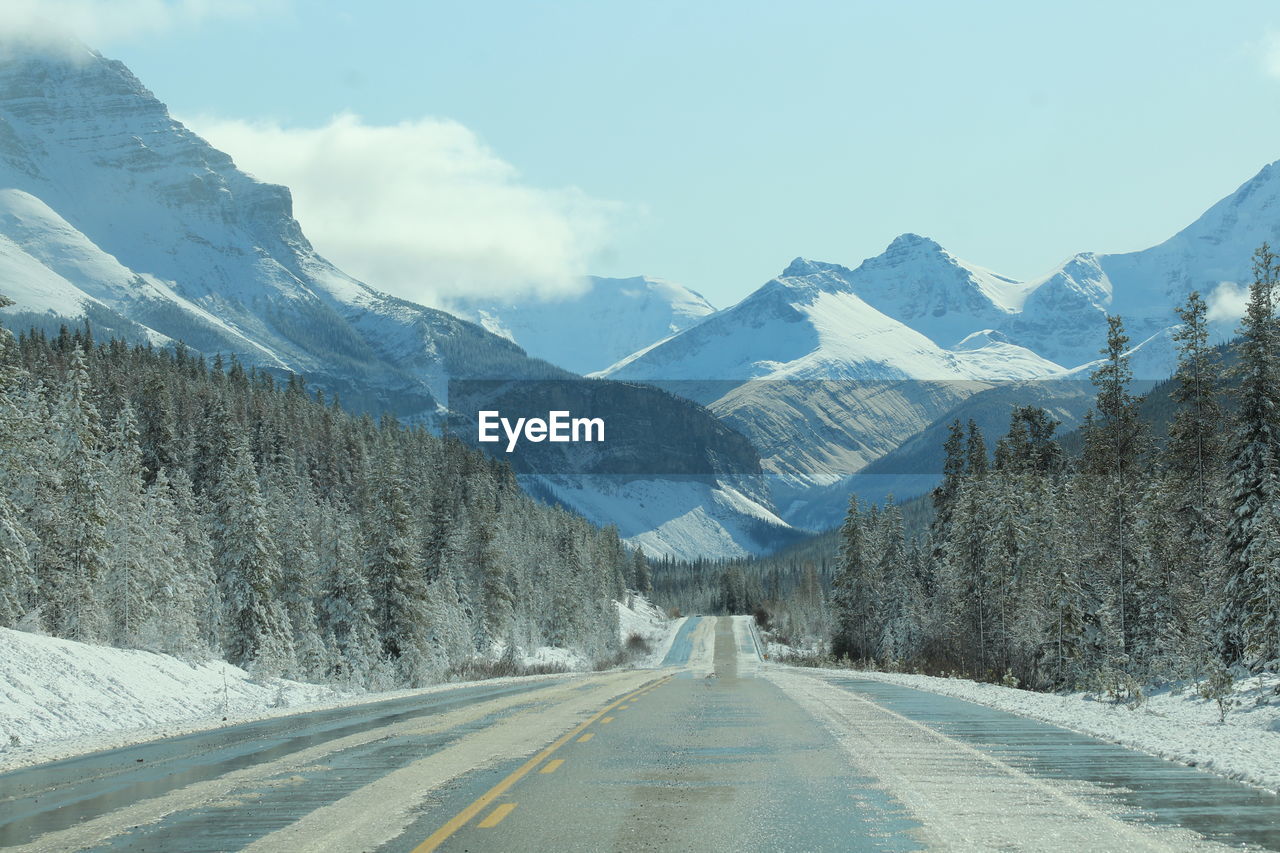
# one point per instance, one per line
(735, 136)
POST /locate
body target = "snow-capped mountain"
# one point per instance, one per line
(921, 284)
(819, 379)
(1064, 312)
(608, 319)
(112, 211)
(812, 322)
(926, 329)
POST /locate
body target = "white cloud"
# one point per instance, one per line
(100, 22)
(1227, 302)
(421, 209)
(1269, 50)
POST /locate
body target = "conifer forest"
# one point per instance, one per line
(1140, 559)
(150, 499)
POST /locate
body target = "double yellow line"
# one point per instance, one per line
(463, 817)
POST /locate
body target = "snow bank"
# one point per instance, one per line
(1173, 723)
(54, 690)
(60, 698)
(640, 617)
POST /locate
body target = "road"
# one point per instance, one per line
(715, 750)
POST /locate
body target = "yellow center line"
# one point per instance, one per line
(552, 766)
(623, 707)
(496, 816)
(588, 736)
(606, 721)
(461, 818)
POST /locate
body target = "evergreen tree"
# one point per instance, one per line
(73, 556)
(256, 628)
(1115, 444)
(851, 591)
(199, 581)
(643, 578)
(346, 606)
(397, 583)
(1251, 614)
(129, 582)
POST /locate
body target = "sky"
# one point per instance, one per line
(440, 149)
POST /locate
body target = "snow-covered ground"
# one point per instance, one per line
(640, 617)
(1172, 723)
(60, 698)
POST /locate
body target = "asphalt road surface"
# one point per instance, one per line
(715, 750)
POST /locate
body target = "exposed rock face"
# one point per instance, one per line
(111, 208)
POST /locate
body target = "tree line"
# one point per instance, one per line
(152, 499)
(1131, 563)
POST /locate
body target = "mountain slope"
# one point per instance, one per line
(611, 318)
(111, 211)
(922, 285)
(125, 208)
(1064, 314)
(819, 379)
(916, 312)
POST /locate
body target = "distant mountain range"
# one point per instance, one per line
(900, 341)
(609, 319)
(112, 211)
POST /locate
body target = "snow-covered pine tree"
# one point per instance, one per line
(397, 582)
(1115, 442)
(1250, 621)
(17, 570)
(199, 580)
(898, 634)
(968, 582)
(73, 557)
(291, 506)
(850, 591)
(129, 584)
(158, 431)
(975, 453)
(1195, 445)
(1164, 589)
(246, 562)
(17, 579)
(642, 577)
(346, 608)
(174, 625)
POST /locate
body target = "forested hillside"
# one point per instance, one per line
(151, 500)
(1152, 553)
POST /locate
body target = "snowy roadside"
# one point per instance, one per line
(60, 698)
(644, 619)
(1171, 724)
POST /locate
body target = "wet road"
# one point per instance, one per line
(713, 751)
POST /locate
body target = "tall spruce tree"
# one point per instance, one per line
(1251, 613)
(849, 589)
(245, 559)
(1115, 443)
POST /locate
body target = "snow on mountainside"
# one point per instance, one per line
(916, 312)
(678, 518)
(820, 380)
(921, 284)
(1064, 314)
(112, 211)
(586, 332)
